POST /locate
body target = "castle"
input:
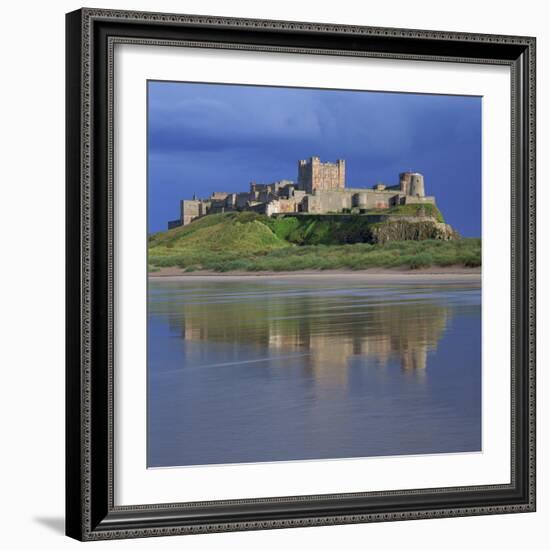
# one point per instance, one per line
(320, 189)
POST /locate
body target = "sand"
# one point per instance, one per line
(435, 274)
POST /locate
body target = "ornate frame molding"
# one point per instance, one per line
(91, 36)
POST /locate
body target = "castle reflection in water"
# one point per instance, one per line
(269, 369)
(330, 330)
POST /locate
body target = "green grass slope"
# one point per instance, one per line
(211, 239)
(411, 254)
(250, 242)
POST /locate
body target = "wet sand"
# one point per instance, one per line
(435, 274)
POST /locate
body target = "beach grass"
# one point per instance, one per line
(249, 242)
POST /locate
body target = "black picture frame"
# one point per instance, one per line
(90, 510)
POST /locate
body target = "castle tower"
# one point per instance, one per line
(417, 185)
(315, 175)
(412, 183)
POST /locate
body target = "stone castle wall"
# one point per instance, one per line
(320, 189)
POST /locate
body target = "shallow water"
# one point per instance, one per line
(273, 369)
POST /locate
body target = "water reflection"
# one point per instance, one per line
(311, 341)
(328, 326)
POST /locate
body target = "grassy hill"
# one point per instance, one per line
(213, 239)
(251, 242)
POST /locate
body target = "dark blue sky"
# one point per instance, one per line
(215, 137)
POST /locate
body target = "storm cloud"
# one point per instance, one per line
(216, 137)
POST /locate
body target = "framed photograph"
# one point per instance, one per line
(300, 274)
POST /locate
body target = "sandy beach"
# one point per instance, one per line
(433, 274)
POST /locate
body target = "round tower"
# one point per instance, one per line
(405, 182)
(417, 185)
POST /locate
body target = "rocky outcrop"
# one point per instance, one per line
(411, 229)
